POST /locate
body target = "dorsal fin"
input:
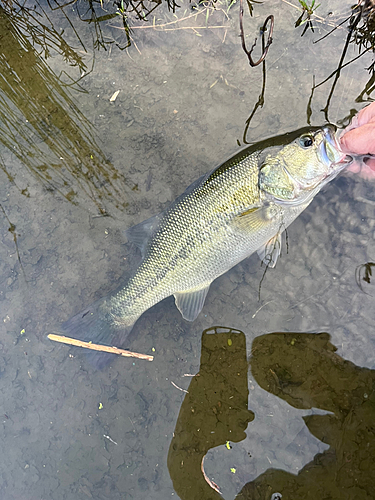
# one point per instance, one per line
(141, 233)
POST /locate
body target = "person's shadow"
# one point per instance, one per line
(214, 411)
(302, 369)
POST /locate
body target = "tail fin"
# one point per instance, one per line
(93, 325)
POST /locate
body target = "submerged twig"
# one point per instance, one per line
(269, 263)
(210, 483)
(309, 107)
(352, 27)
(270, 19)
(332, 30)
(179, 388)
(97, 347)
(260, 102)
(361, 32)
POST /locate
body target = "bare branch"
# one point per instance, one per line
(270, 19)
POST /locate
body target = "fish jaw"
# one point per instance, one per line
(331, 154)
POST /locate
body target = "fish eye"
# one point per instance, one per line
(306, 141)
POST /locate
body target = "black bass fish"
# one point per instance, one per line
(239, 208)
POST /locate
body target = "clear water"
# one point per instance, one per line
(69, 157)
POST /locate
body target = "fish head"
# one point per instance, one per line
(298, 170)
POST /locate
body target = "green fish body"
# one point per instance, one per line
(241, 207)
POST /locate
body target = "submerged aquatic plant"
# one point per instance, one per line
(12, 230)
(38, 29)
(361, 32)
(41, 125)
(305, 17)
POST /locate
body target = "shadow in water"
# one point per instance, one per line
(42, 127)
(304, 370)
(213, 412)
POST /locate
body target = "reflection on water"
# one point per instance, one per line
(214, 411)
(360, 22)
(304, 370)
(43, 128)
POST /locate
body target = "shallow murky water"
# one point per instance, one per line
(77, 169)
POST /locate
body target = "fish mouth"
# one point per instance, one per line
(346, 160)
(331, 154)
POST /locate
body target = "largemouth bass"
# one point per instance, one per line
(241, 207)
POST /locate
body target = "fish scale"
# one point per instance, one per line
(185, 238)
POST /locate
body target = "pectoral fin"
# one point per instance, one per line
(254, 219)
(270, 252)
(190, 302)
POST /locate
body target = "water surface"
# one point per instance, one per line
(77, 169)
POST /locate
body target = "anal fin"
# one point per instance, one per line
(190, 302)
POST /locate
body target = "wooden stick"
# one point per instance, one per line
(97, 347)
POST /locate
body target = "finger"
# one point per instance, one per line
(363, 168)
(360, 140)
(370, 162)
(366, 115)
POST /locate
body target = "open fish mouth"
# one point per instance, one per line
(331, 154)
(330, 151)
(346, 160)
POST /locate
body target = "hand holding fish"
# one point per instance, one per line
(358, 139)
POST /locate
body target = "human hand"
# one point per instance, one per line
(359, 139)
